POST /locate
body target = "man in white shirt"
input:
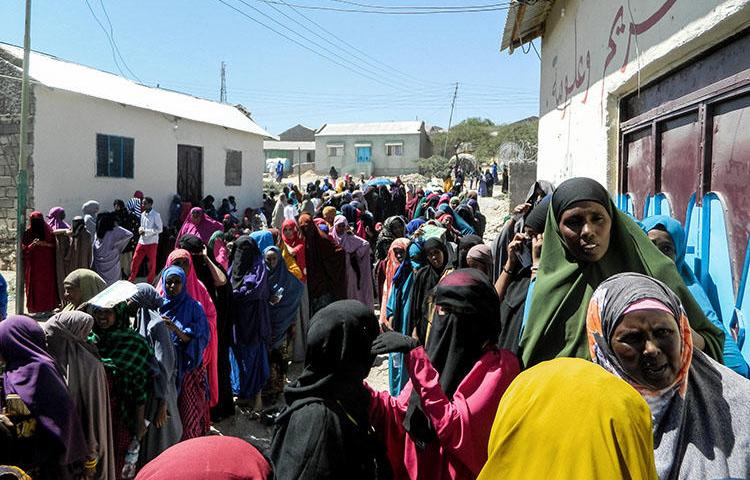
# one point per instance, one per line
(151, 227)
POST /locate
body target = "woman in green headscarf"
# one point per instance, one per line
(587, 240)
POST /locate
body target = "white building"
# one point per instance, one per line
(100, 136)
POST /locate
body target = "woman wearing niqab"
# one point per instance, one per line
(38, 249)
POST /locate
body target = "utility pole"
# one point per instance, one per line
(223, 91)
(299, 168)
(21, 179)
(450, 120)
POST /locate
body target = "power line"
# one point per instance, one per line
(381, 12)
(109, 39)
(295, 41)
(421, 7)
(114, 42)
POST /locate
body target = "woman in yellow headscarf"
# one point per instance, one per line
(563, 419)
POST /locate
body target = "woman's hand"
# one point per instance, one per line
(536, 248)
(388, 342)
(514, 249)
(161, 415)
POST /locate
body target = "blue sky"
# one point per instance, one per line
(410, 61)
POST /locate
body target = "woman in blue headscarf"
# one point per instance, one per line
(286, 294)
(414, 225)
(460, 224)
(668, 235)
(186, 320)
(264, 239)
(397, 311)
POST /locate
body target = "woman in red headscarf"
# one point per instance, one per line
(38, 244)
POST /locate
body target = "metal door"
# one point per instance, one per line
(190, 173)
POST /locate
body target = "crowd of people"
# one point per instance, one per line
(579, 344)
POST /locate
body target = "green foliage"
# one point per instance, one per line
(435, 166)
(482, 138)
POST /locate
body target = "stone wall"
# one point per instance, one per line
(521, 175)
(10, 110)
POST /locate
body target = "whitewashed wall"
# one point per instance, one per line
(590, 61)
(64, 156)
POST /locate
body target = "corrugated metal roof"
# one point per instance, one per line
(382, 128)
(288, 145)
(56, 73)
(525, 22)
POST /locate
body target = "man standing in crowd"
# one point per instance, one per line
(150, 229)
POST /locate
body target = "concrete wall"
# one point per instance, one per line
(10, 113)
(65, 154)
(380, 164)
(590, 61)
(521, 176)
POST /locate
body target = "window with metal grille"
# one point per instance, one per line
(335, 150)
(114, 156)
(394, 149)
(233, 168)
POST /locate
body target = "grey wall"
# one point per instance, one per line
(521, 175)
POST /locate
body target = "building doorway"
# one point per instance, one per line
(190, 173)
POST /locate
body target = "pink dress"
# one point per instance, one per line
(462, 425)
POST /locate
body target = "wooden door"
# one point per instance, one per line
(190, 173)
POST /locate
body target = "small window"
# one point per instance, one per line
(233, 169)
(394, 149)
(114, 156)
(335, 150)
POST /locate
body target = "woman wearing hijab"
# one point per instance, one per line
(277, 217)
(220, 458)
(439, 426)
(464, 245)
(587, 240)
(425, 279)
(567, 418)
(67, 342)
(186, 320)
(161, 408)
(109, 243)
(286, 294)
(41, 430)
(56, 219)
(127, 360)
(81, 286)
(200, 225)
(252, 323)
(397, 254)
(357, 261)
(217, 249)
(669, 237)
(38, 247)
(324, 433)
(397, 313)
(73, 251)
(293, 252)
(90, 210)
(638, 330)
(325, 266)
(263, 238)
(199, 292)
(460, 224)
(175, 207)
(479, 257)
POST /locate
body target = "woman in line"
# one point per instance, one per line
(397, 313)
(214, 278)
(439, 426)
(80, 286)
(325, 433)
(199, 292)
(587, 240)
(277, 216)
(90, 210)
(567, 418)
(252, 328)
(396, 256)
(41, 431)
(128, 361)
(38, 246)
(479, 257)
(56, 219)
(357, 261)
(464, 245)
(217, 249)
(161, 408)
(200, 225)
(639, 331)
(425, 279)
(669, 237)
(109, 243)
(293, 252)
(73, 251)
(286, 293)
(325, 266)
(67, 342)
(186, 320)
